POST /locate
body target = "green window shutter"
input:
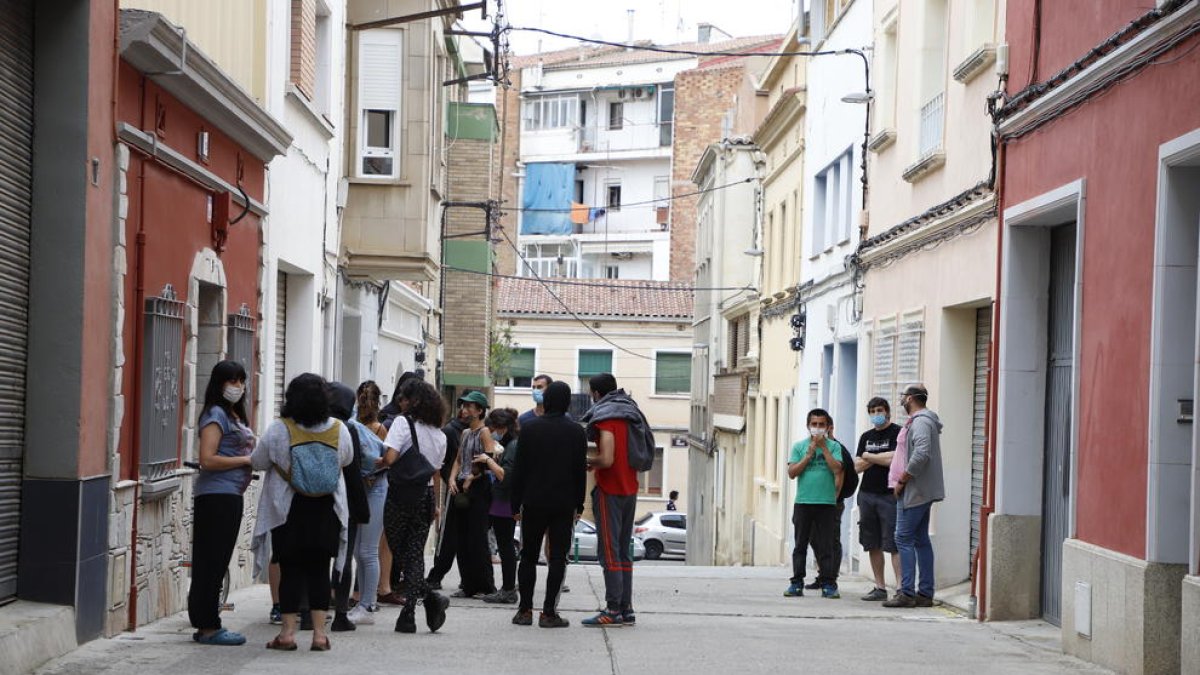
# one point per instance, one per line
(673, 373)
(522, 363)
(594, 362)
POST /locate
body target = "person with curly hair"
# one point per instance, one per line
(502, 423)
(414, 450)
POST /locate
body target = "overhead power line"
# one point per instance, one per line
(648, 202)
(674, 50)
(600, 284)
(564, 305)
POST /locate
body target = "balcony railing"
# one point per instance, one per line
(933, 116)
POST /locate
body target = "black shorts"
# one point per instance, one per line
(877, 521)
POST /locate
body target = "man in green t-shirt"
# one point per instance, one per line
(815, 463)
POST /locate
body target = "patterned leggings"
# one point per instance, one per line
(406, 520)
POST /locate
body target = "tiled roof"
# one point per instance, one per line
(599, 298)
(605, 55)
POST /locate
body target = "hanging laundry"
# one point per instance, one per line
(549, 187)
(582, 214)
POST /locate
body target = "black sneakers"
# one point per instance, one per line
(407, 622)
(551, 621)
(875, 595)
(523, 617)
(435, 610)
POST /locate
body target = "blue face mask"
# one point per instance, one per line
(496, 436)
(538, 396)
(878, 420)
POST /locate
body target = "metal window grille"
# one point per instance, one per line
(240, 338)
(932, 119)
(162, 351)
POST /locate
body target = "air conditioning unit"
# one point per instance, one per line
(621, 93)
(639, 92)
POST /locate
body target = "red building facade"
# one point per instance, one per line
(192, 149)
(1093, 462)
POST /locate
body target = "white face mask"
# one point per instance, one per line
(817, 432)
(233, 392)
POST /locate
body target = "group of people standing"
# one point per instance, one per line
(348, 481)
(336, 479)
(901, 479)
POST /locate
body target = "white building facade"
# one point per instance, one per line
(828, 372)
(612, 122)
(305, 91)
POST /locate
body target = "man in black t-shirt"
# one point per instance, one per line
(876, 503)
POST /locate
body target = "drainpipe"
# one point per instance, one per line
(136, 398)
(989, 478)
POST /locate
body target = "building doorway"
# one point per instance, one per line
(1056, 467)
(210, 334)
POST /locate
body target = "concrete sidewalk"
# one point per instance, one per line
(699, 619)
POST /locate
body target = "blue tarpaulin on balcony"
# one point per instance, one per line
(549, 191)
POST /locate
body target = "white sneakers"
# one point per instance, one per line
(361, 616)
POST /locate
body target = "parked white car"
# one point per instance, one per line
(662, 532)
(584, 546)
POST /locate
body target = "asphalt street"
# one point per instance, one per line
(690, 619)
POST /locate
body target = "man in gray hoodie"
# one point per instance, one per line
(919, 486)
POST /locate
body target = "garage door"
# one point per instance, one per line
(983, 337)
(281, 283)
(16, 137)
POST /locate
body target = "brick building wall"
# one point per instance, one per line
(508, 111)
(303, 58)
(703, 97)
(471, 175)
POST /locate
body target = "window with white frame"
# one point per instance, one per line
(896, 358)
(887, 60)
(550, 260)
(551, 112)
(613, 200)
(832, 194)
(380, 63)
(520, 368)
(616, 115)
(672, 373)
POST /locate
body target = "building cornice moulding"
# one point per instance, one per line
(158, 50)
(928, 231)
(1099, 74)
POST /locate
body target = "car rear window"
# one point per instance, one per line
(643, 519)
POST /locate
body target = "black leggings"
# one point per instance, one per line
(406, 520)
(215, 523)
(306, 574)
(505, 529)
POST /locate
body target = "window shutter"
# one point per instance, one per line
(673, 373)
(908, 354)
(379, 69)
(522, 363)
(884, 363)
(594, 362)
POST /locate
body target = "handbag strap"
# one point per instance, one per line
(412, 432)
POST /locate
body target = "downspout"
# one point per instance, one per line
(136, 398)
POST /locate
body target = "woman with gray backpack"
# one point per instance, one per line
(303, 503)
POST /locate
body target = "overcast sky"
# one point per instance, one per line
(664, 21)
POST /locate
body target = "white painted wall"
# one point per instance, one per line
(399, 336)
(302, 231)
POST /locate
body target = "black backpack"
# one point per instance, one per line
(410, 474)
(849, 475)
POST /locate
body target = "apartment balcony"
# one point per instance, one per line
(930, 155)
(387, 234)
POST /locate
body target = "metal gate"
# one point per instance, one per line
(16, 155)
(1056, 471)
(240, 341)
(983, 338)
(280, 337)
